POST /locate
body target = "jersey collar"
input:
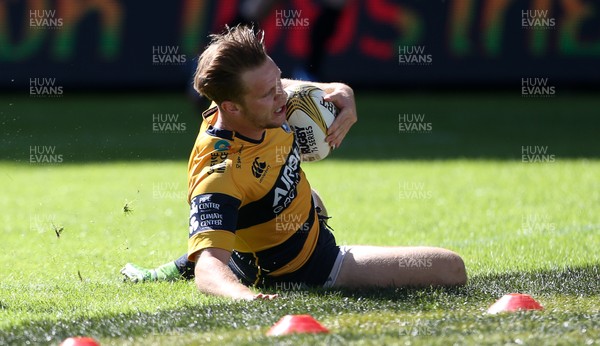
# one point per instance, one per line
(227, 134)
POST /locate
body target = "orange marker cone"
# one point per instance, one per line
(80, 341)
(514, 302)
(291, 324)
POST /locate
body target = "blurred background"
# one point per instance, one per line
(111, 80)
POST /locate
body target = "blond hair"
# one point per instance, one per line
(229, 54)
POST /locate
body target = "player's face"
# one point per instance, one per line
(264, 102)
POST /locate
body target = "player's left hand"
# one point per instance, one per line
(343, 97)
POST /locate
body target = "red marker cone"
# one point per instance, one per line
(514, 302)
(80, 341)
(290, 324)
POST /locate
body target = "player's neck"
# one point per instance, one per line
(224, 123)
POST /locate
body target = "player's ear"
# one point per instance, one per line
(230, 107)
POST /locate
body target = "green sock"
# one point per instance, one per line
(166, 272)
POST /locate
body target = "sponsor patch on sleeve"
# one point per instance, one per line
(213, 211)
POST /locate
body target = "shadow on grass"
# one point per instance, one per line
(573, 281)
(576, 281)
(132, 127)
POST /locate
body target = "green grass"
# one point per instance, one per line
(529, 228)
(119, 127)
(520, 227)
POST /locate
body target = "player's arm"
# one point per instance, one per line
(343, 97)
(213, 219)
(214, 277)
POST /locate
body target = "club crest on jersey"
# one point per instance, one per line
(222, 145)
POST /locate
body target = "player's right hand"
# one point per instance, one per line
(135, 273)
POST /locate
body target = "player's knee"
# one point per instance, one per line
(456, 273)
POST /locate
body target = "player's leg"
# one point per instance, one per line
(181, 268)
(319, 205)
(375, 266)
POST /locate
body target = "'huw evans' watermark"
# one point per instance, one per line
(167, 55)
(44, 19)
(534, 223)
(414, 190)
(536, 153)
(290, 286)
(413, 123)
(290, 19)
(537, 87)
(413, 55)
(169, 190)
(41, 222)
(281, 153)
(291, 223)
(44, 154)
(167, 123)
(414, 328)
(415, 262)
(537, 19)
(44, 87)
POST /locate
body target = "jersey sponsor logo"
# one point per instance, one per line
(259, 169)
(208, 205)
(198, 221)
(285, 187)
(217, 162)
(205, 214)
(222, 145)
(211, 220)
(238, 162)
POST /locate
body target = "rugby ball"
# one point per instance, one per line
(309, 116)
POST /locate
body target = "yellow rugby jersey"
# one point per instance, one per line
(252, 198)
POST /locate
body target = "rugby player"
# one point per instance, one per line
(254, 219)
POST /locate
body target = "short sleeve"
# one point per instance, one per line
(213, 220)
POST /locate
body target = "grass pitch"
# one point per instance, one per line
(520, 226)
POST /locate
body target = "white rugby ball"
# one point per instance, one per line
(309, 116)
